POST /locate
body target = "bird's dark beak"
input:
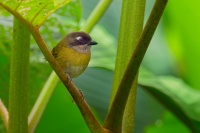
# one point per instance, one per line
(92, 43)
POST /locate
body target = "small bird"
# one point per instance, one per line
(73, 53)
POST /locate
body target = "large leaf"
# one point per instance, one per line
(58, 25)
(181, 21)
(33, 11)
(167, 125)
(103, 54)
(180, 98)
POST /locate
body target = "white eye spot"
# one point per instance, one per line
(79, 38)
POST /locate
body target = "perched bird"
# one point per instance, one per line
(73, 53)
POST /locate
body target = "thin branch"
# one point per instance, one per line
(113, 120)
(4, 114)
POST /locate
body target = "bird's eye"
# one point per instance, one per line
(80, 39)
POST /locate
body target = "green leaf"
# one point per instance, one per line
(103, 54)
(58, 25)
(180, 98)
(168, 124)
(33, 11)
(183, 38)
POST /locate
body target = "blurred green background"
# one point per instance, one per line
(174, 50)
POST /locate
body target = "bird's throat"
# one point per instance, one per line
(82, 48)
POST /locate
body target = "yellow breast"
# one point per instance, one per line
(72, 62)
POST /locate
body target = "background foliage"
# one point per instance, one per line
(173, 51)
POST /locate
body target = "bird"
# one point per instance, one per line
(73, 53)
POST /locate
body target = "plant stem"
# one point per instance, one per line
(97, 13)
(18, 93)
(131, 24)
(4, 114)
(114, 118)
(42, 100)
(129, 112)
(136, 22)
